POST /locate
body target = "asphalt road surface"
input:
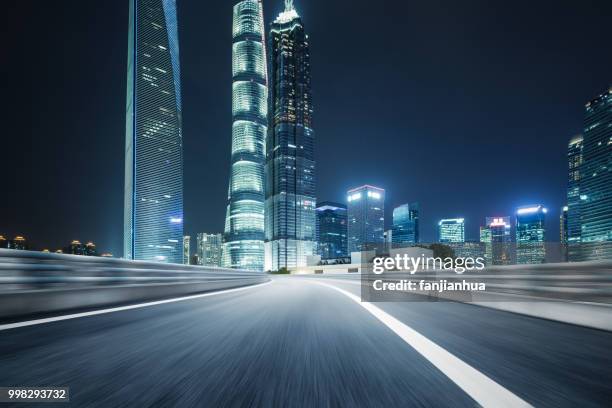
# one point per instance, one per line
(302, 342)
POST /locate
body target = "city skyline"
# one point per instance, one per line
(105, 230)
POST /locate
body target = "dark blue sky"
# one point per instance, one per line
(465, 107)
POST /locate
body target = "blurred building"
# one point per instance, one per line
(3, 242)
(451, 230)
(563, 232)
(210, 247)
(244, 220)
(19, 242)
(366, 217)
(186, 249)
(90, 249)
(75, 248)
(290, 215)
(574, 158)
(469, 249)
(406, 224)
(530, 234)
(332, 230)
(153, 200)
(497, 237)
(596, 180)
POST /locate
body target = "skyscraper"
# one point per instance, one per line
(332, 230)
(451, 230)
(153, 204)
(596, 180)
(186, 250)
(574, 158)
(405, 224)
(563, 232)
(366, 218)
(290, 167)
(530, 234)
(210, 247)
(499, 245)
(244, 224)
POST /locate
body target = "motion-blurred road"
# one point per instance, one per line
(296, 342)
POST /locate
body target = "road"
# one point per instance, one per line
(302, 342)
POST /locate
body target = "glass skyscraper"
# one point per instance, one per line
(530, 234)
(332, 230)
(366, 218)
(498, 241)
(244, 223)
(405, 224)
(153, 205)
(451, 230)
(596, 180)
(290, 167)
(210, 247)
(574, 158)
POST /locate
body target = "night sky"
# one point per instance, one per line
(463, 106)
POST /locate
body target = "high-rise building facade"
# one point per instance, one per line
(405, 224)
(563, 233)
(596, 180)
(186, 250)
(451, 230)
(499, 247)
(574, 159)
(210, 248)
(290, 229)
(366, 218)
(153, 204)
(530, 234)
(332, 230)
(244, 224)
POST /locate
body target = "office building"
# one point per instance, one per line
(405, 224)
(574, 158)
(530, 234)
(366, 218)
(596, 180)
(290, 216)
(186, 249)
(244, 224)
(451, 230)
(153, 204)
(332, 230)
(497, 237)
(563, 232)
(210, 248)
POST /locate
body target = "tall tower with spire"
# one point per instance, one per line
(244, 223)
(290, 167)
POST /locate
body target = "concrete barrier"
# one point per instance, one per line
(34, 283)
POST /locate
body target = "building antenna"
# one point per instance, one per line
(289, 5)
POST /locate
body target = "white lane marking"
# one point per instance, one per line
(481, 388)
(121, 308)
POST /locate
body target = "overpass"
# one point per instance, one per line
(125, 334)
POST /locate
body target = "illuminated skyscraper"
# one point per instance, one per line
(209, 249)
(405, 224)
(574, 158)
(563, 232)
(244, 223)
(498, 244)
(153, 204)
(451, 230)
(332, 230)
(530, 234)
(366, 218)
(596, 180)
(186, 250)
(290, 166)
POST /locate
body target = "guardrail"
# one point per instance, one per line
(36, 282)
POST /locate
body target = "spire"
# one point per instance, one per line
(289, 5)
(288, 14)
